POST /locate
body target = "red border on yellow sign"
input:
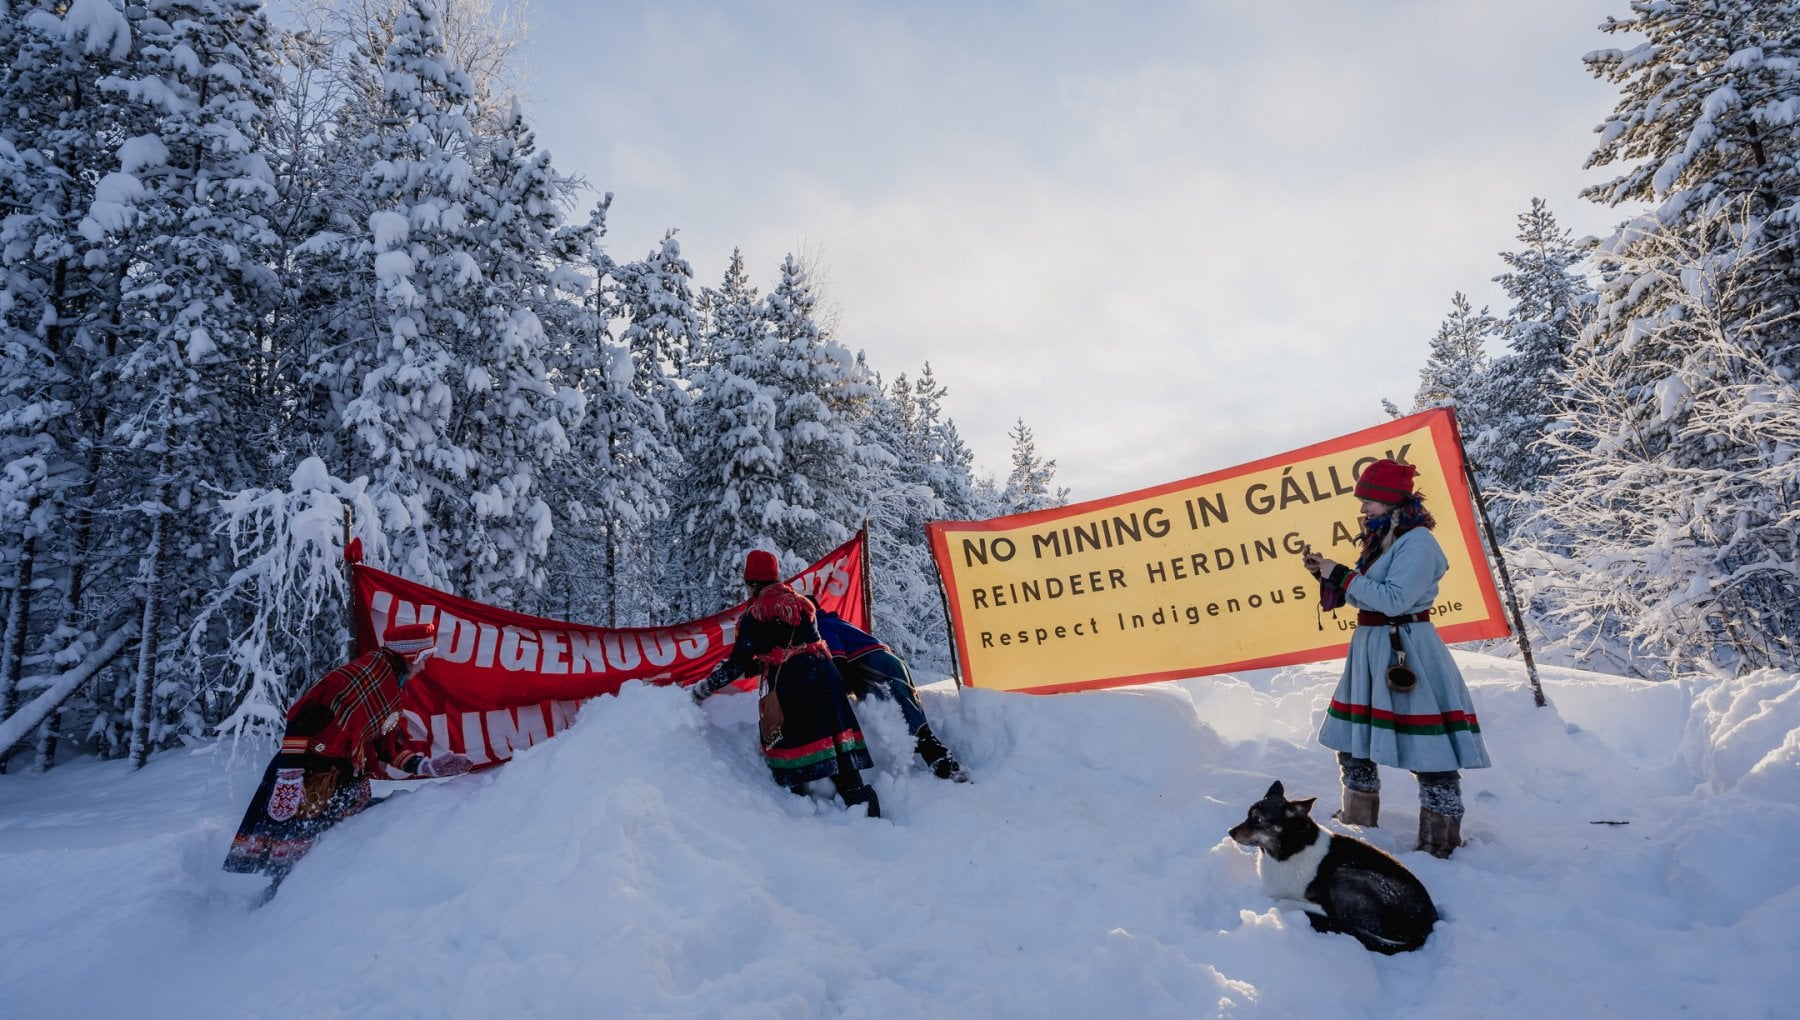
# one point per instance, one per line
(990, 602)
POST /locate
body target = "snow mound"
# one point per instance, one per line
(643, 864)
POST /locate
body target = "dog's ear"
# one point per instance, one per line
(1274, 789)
(1300, 808)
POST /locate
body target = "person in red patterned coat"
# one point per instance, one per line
(337, 731)
(809, 731)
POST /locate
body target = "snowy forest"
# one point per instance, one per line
(262, 286)
(1637, 422)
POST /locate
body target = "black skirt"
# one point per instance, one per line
(297, 800)
(819, 732)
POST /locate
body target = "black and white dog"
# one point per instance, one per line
(1343, 884)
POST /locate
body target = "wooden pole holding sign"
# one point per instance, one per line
(949, 629)
(1506, 585)
(351, 555)
(868, 583)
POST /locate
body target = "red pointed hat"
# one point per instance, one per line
(760, 567)
(410, 639)
(1386, 481)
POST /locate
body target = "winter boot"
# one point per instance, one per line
(1361, 807)
(1439, 834)
(854, 791)
(938, 757)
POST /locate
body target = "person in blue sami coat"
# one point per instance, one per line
(870, 667)
(1401, 701)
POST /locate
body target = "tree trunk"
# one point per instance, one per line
(12, 650)
(46, 743)
(144, 685)
(58, 689)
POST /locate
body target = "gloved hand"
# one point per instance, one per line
(699, 692)
(448, 764)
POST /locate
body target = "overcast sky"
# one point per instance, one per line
(1172, 237)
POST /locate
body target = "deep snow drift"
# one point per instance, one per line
(1635, 851)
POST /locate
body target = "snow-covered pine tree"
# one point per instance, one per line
(516, 426)
(1668, 541)
(284, 612)
(1030, 484)
(824, 463)
(188, 201)
(612, 481)
(1516, 397)
(58, 294)
(662, 328)
(449, 404)
(948, 465)
(733, 447)
(1457, 357)
(908, 609)
(1705, 131)
(1552, 302)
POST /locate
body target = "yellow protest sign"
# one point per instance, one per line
(1199, 576)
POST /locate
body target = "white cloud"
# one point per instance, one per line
(1170, 237)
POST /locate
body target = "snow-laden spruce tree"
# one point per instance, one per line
(58, 296)
(612, 483)
(734, 447)
(482, 38)
(908, 605)
(1552, 302)
(514, 425)
(819, 389)
(1516, 396)
(1030, 485)
(662, 328)
(1669, 540)
(188, 202)
(1705, 133)
(948, 465)
(281, 619)
(446, 395)
(1695, 305)
(1457, 357)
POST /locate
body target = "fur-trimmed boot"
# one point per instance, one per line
(1360, 807)
(1439, 834)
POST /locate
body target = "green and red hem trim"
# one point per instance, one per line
(824, 748)
(1454, 721)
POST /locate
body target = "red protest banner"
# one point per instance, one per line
(501, 681)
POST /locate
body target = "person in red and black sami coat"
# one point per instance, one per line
(809, 731)
(336, 733)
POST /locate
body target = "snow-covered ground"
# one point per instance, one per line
(1634, 852)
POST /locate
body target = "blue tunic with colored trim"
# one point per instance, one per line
(1431, 728)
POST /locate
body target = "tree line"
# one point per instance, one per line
(1639, 425)
(254, 278)
(262, 287)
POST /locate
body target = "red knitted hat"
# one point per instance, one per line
(410, 639)
(760, 567)
(1386, 482)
